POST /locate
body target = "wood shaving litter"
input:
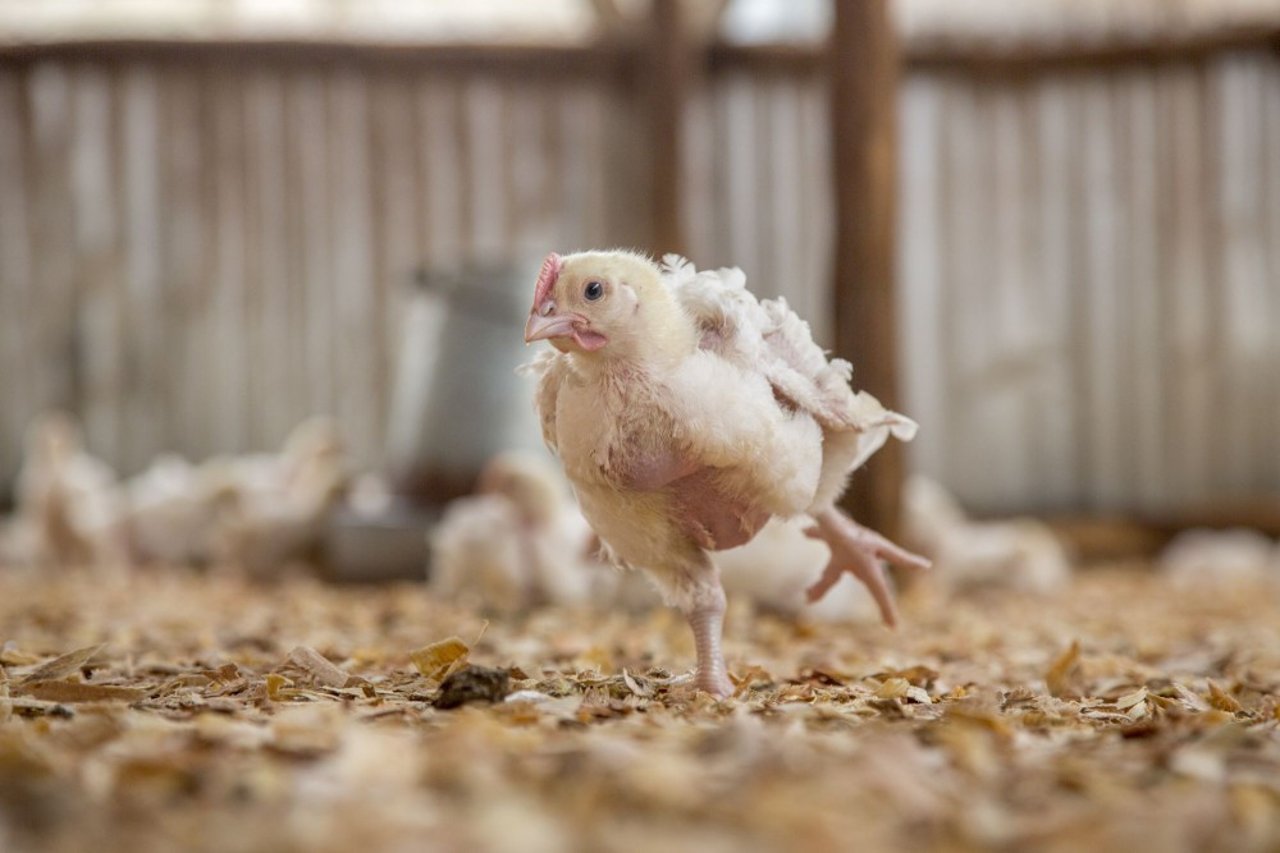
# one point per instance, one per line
(205, 712)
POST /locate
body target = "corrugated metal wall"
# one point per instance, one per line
(196, 259)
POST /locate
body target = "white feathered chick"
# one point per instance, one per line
(1207, 558)
(518, 543)
(69, 508)
(776, 568)
(279, 503)
(1018, 553)
(687, 414)
(174, 512)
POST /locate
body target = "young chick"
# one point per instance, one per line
(687, 414)
(1019, 553)
(775, 569)
(518, 543)
(277, 505)
(67, 498)
(1206, 558)
(173, 512)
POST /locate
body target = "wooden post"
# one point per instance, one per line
(666, 78)
(864, 85)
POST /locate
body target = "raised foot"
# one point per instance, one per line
(858, 551)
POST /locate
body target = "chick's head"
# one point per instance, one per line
(607, 304)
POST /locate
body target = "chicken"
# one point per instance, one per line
(519, 542)
(69, 508)
(687, 414)
(174, 511)
(18, 545)
(278, 503)
(1205, 558)
(1019, 553)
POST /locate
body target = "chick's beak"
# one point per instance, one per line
(544, 327)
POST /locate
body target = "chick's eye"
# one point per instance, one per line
(593, 291)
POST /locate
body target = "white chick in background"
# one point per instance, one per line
(775, 569)
(1209, 557)
(174, 509)
(1019, 553)
(18, 545)
(278, 503)
(69, 509)
(517, 543)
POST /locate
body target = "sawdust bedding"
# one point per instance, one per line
(171, 711)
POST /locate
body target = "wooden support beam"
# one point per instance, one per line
(864, 83)
(667, 80)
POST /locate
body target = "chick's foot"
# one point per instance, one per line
(859, 551)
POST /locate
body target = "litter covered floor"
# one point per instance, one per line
(165, 710)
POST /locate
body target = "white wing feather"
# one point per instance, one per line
(766, 336)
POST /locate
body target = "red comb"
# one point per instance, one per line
(547, 278)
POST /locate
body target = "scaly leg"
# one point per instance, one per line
(858, 551)
(708, 625)
(701, 599)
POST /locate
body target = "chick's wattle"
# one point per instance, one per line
(687, 414)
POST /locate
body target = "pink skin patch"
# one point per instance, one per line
(589, 340)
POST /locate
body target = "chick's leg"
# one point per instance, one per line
(703, 603)
(859, 551)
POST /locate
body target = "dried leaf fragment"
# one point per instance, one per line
(1128, 700)
(1222, 700)
(893, 688)
(440, 660)
(62, 666)
(280, 689)
(634, 686)
(1062, 672)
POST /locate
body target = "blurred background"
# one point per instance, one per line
(220, 218)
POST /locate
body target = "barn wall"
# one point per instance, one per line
(1091, 266)
(1089, 262)
(195, 258)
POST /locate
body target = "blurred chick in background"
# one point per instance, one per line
(174, 510)
(276, 505)
(1019, 553)
(257, 511)
(776, 568)
(519, 542)
(1204, 557)
(68, 506)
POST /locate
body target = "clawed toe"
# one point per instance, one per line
(859, 551)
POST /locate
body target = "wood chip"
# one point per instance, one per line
(62, 666)
(75, 691)
(319, 667)
(1061, 676)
